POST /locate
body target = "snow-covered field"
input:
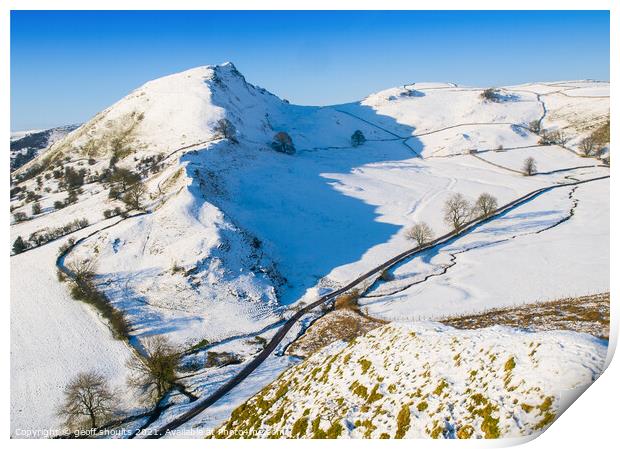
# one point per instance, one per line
(53, 338)
(507, 261)
(237, 232)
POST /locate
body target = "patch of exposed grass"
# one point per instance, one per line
(437, 430)
(359, 390)
(299, 427)
(328, 367)
(334, 431)
(374, 395)
(366, 364)
(526, 407)
(403, 421)
(547, 419)
(339, 325)
(508, 367)
(440, 387)
(490, 424)
(367, 423)
(276, 417)
(465, 432)
(348, 300)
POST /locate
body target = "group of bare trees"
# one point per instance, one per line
(556, 137)
(127, 186)
(45, 235)
(457, 211)
(594, 144)
(90, 401)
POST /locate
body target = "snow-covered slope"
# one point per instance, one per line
(53, 338)
(425, 381)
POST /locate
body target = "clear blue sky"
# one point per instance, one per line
(66, 66)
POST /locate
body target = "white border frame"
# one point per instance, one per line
(589, 422)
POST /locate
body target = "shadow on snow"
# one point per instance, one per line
(304, 217)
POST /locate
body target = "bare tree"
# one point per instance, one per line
(561, 137)
(83, 270)
(133, 197)
(19, 217)
(283, 143)
(154, 374)
(88, 402)
(546, 137)
(529, 166)
(490, 94)
(456, 211)
(357, 138)
(534, 126)
(485, 205)
(587, 146)
(225, 129)
(421, 233)
(36, 208)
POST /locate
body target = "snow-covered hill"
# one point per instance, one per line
(425, 381)
(233, 232)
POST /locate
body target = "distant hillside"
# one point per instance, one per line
(27, 145)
